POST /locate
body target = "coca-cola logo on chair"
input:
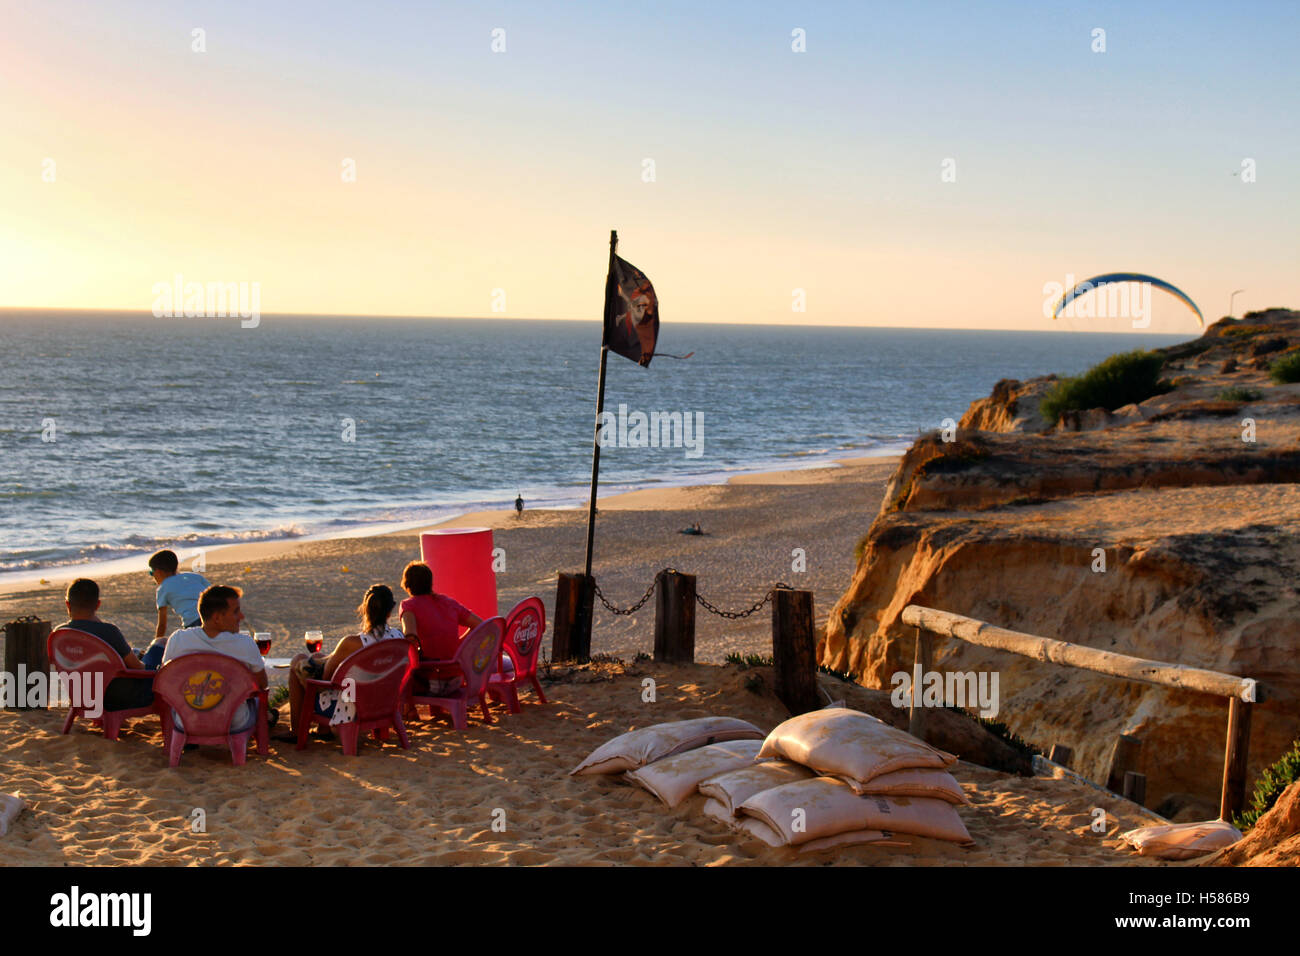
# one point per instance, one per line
(204, 690)
(525, 634)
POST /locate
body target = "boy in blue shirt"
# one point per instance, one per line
(176, 592)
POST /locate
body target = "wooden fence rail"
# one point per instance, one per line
(1241, 692)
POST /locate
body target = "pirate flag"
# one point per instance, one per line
(631, 313)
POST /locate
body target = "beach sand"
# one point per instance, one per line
(93, 801)
(752, 525)
(98, 802)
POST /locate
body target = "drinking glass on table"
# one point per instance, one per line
(263, 639)
(314, 641)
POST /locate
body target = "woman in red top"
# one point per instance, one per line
(433, 622)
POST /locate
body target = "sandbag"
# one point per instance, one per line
(852, 838)
(847, 743)
(10, 806)
(750, 826)
(913, 783)
(735, 787)
(1182, 841)
(636, 748)
(673, 779)
(830, 806)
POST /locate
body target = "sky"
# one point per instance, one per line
(928, 164)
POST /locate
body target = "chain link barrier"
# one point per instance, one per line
(729, 615)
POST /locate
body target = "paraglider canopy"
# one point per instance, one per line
(1111, 277)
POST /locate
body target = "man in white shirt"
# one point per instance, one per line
(219, 634)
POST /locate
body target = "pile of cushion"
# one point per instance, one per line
(827, 778)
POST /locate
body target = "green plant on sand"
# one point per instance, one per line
(279, 696)
(1286, 369)
(1118, 381)
(1239, 394)
(1269, 787)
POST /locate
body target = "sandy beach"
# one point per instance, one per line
(97, 802)
(752, 525)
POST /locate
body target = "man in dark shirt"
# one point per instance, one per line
(125, 693)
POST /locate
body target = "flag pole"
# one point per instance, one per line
(587, 599)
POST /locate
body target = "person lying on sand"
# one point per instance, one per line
(432, 622)
(693, 529)
(374, 611)
(82, 602)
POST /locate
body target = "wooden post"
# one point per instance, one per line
(1135, 787)
(675, 617)
(1061, 754)
(1233, 798)
(569, 642)
(922, 663)
(25, 644)
(1123, 758)
(794, 650)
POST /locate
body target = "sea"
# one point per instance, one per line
(123, 433)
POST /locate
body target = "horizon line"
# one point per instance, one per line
(494, 318)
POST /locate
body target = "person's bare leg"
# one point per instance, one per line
(296, 691)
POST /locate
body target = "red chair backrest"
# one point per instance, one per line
(479, 654)
(525, 625)
(76, 651)
(205, 689)
(379, 674)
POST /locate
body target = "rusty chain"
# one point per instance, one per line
(729, 615)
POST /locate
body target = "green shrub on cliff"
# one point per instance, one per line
(1286, 369)
(1269, 787)
(1118, 381)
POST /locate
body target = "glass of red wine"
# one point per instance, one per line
(263, 639)
(314, 641)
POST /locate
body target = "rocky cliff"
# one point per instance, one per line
(1168, 530)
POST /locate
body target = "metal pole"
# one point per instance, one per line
(600, 403)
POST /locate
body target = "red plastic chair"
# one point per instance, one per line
(476, 659)
(525, 625)
(76, 652)
(206, 690)
(379, 676)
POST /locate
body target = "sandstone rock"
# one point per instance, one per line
(1200, 536)
(1273, 841)
(1012, 407)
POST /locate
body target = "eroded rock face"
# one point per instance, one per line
(1273, 841)
(1163, 535)
(1013, 407)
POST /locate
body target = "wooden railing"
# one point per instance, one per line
(1241, 692)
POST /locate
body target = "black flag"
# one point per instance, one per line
(631, 313)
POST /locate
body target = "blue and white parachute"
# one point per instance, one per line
(1096, 281)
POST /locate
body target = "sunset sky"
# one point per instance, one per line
(774, 170)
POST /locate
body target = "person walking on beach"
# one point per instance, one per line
(178, 592)
(218, 633)
(519, 506)
(82, 602)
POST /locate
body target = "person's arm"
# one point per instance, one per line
(409, 629)
(258, 670)
(132, 662)
(469, 619)
(342, 651)
(161, 630)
